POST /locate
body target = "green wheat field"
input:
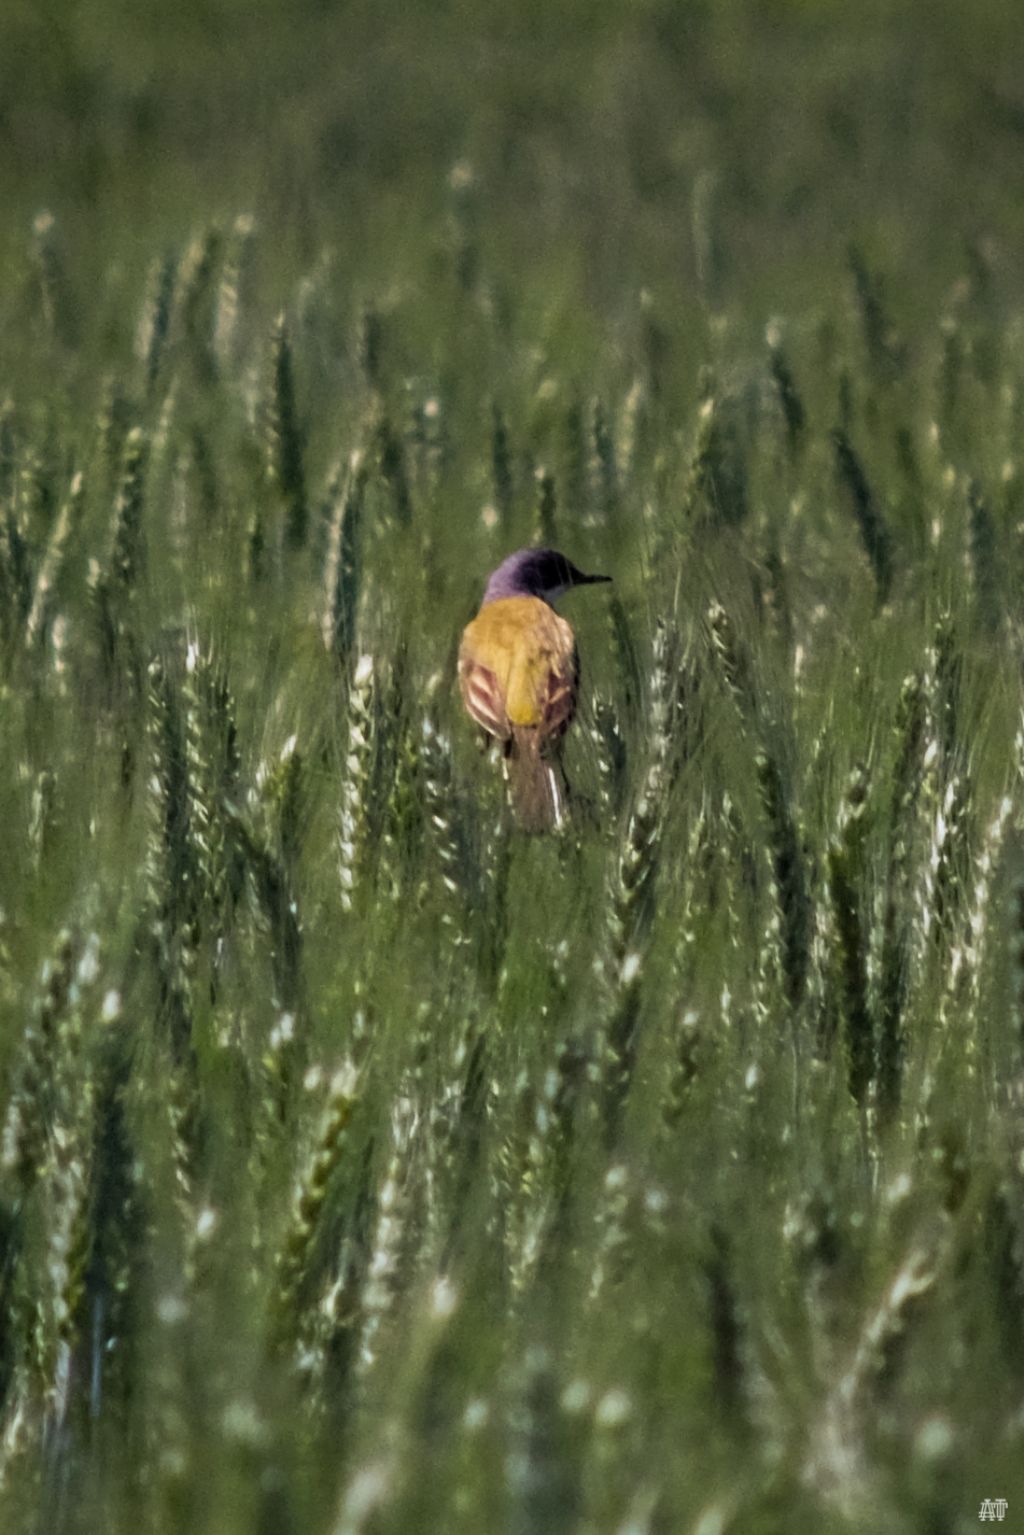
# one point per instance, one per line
(366, 1166)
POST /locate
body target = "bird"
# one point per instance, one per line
(519, 677)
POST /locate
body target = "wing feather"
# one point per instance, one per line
(560, 694)
(482, 696)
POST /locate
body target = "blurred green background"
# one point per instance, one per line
(610, 274)
(588, 126)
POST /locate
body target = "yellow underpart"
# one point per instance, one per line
(521, 640)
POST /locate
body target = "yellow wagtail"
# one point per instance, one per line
(519, 677)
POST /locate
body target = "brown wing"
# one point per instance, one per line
(560, 697)
(483, 697)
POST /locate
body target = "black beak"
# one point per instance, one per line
(593, 580)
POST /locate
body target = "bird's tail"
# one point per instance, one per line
(536, 784)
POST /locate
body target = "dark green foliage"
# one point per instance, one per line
(173, 869)
(716, 490)
(342, 567)
(389, 456)
(155, 323)
(196, 298)
(15, 579)
(369, 345)
(727, 1362)
(64, 530)
(883, 347)
(860, 499)
(984, 558)
(127, 553)
(284, 438)
(897, 923)
(846, 874)
(28, 1107)
(791, 405)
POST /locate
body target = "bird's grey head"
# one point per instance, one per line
(540, 573)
